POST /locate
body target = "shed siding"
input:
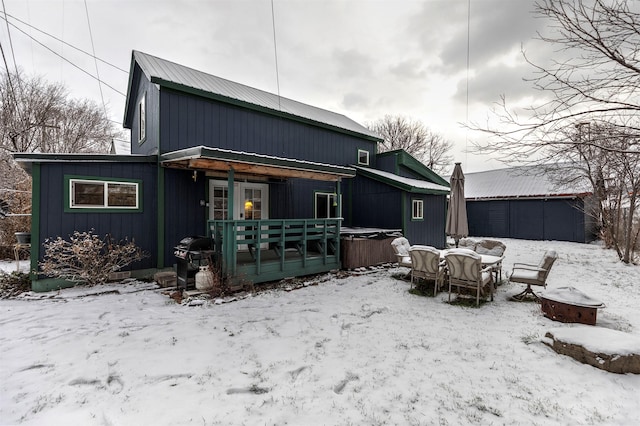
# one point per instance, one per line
(551, 219)
(188, 121)
(138, 226)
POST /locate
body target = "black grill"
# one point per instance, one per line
(191, 253)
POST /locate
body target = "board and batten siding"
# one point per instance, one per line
(139, 226)
(188, 120)
(186, 211)
(149, 145)
(431, 230)
(534, 219)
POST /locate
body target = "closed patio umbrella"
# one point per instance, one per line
(457, 226)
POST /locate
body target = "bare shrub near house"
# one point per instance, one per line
(15, 195)
(86, 258)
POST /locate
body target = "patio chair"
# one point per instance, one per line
(532, 274)
(464, 268)
(401, 248)
(492, 248)
(426, 264)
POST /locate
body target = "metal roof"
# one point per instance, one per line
(168, 73)
(405, 183)
(519, 182)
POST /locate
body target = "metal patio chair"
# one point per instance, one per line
(532, 274)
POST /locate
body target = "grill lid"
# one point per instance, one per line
(194, 243)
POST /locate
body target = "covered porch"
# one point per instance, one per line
(252, 248)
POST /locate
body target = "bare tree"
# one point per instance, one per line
(37, 116)
(415, 138)
(594, 84)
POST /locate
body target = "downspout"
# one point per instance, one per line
(35, 221)
(160, 217)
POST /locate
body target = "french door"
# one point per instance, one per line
(251, 202)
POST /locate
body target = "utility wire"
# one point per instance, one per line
(11, 89)
(66, 60)
(275, 50)
(15, 64)
(61, 41)
(95, 61)
(466, 143)
(13, 55)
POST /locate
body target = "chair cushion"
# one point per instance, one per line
(490, 247)
(526, 276)
(401, 246)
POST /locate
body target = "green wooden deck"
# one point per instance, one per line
(267, 250)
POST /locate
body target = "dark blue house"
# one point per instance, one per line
(272, 180)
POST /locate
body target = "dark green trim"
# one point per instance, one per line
(26, 160)
(67, 195)
(35, 221)
(401, 185)
(230, 194)
(236, 102)
(404, 212)
(160, 217)
(50, 284)
(403, 158)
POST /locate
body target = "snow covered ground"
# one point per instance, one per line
(359, 350)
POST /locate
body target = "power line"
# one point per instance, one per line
(61, 41)
(93, 49)
(13, 55)
(65, 59)
(275, 50)
(6, 65)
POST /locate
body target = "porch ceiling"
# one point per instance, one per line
(222, 160)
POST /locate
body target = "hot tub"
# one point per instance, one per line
(363, 247)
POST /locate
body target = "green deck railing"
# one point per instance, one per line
(267, 250)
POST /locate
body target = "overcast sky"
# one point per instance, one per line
(361, 58)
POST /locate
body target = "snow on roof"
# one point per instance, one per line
(160, 70)
(405, 181)
(515, 182)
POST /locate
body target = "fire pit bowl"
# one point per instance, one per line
(568, 304)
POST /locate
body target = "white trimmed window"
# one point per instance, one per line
(142, 119)
(417, 209)
(326, 205)
(97, 194)
(363, 157)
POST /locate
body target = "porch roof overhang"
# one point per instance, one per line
(222, 160)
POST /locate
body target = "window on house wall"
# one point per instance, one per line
(142, 123)
(417, 209)
(363, 157)
(220, 203)
(326, 205)
(89, 193)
